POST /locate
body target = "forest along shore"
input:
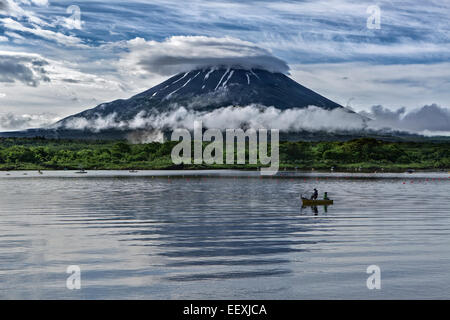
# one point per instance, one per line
(365, 155)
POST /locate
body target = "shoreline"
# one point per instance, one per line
(279, 172)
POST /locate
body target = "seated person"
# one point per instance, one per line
(315, 194)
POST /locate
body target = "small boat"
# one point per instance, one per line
(309, 202)
(132, 171)
(81, 170)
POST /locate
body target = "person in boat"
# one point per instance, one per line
(315, 194)
(325, 196)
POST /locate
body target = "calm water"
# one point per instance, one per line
(223, 235)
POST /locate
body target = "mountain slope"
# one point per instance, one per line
(205, 91)
(213, 88)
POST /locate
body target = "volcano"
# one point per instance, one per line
(214, 92)
(201, 90)
(209, 89)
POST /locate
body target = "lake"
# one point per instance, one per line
(223, 235)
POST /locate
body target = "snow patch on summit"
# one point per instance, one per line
(209, 72)
(229, 77)
(220, 81)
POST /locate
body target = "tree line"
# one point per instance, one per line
(358, 154)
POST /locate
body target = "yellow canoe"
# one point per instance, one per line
(307, 202)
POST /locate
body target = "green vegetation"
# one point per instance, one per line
(367, 154)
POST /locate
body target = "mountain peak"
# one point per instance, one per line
(216, 87)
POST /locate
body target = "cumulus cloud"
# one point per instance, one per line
(429, 118)
(97, 124)
(184, 53)
(251, 116)
(12, 122)
(26, 68)
(32, 69)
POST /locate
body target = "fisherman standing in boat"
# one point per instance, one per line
(315, 194)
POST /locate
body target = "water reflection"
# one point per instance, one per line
(220, 237)
(314, 210)
(218, 227)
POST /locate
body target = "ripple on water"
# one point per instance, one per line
(147, 236)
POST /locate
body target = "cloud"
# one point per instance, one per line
(390, 85)
(34, 84)
(60, 38)
(429, 118)
(405, 63)
(40, 2)
(298, 31)
(184, 53)
(11, 122)
(14, 36)
(251, 116)
(31, 69)
(14, 9)
(26, 68)
(4, 6)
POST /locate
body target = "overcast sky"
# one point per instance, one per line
(56, 60)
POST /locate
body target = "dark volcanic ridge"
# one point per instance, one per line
(210, 89)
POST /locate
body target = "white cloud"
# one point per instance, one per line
(363, 85)
(252, 116)
(60, 38)
(40, 2)
(14, 9)
(428, 120)
(33, 83)
(14, 35)
(12, 122)
(184, 53)
(298, 31)
(323, 48)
